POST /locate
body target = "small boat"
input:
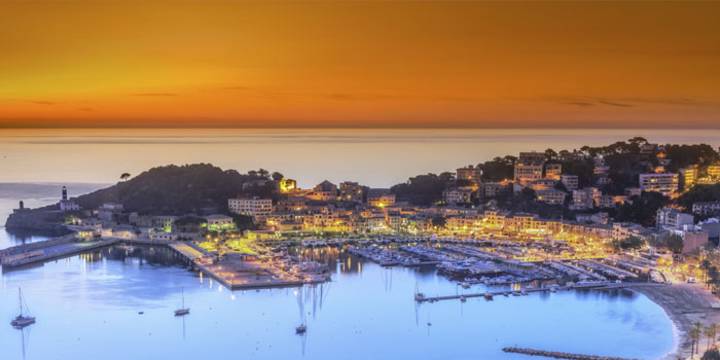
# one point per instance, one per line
(21, 321)
(462, 298)
(419, 297)
(301, 329)
(488, 296)
(183, 310)
(465, 285)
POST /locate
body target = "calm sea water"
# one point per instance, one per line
(87, 307)
(377, 158)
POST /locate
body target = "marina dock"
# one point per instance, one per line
(600, 285)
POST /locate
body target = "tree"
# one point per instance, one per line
(672, 242)
(499, 168)
(422, 189)
(124, 176)
(243, 222)
(713, 277)
(629, 243)
(439, 221)
(695, 333)
(550, 154)
(711, 354)
(277, 176)
(643, 209)
(711, 333)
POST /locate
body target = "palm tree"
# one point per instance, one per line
(711, 333)
(695, 337)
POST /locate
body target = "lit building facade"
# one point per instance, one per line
(255, 207)
(665, 183)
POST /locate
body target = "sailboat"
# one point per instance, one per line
(183, 310)
(21, 320)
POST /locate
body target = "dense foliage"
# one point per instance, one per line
(423, 189)
(629, 243)
(699, 193)
(642, 209)
(185, 189)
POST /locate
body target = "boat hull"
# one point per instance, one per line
(21, 323)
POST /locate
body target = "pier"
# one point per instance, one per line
(50, 250)
(559, 355)
(596, 285)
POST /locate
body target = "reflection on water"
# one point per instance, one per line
(90, 304)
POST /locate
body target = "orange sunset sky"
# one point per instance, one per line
(338, 64)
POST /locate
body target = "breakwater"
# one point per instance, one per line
(559, 355)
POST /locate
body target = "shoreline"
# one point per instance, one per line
(684, 304)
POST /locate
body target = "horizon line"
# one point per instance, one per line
(557, 127)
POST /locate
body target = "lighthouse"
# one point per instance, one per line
(64, 193)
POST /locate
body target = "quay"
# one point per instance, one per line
(40, 252)
(559, 355)
(233, 273)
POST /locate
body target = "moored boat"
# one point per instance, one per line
(22, 320)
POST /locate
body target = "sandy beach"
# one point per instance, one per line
(685, 304)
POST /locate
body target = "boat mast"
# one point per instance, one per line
(20, 300)
(183, 297)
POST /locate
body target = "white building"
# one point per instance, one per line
(553, 171)
(571, 182)
(219, 222)
(470, 173)
(664, 183)
(670, 218)
(493, 189)
(69, 205)
(622, 231)
(459, 195)
(255, 207)
(526, 172)
(529, 167)
(706, 208)
(551, 196)
(585, 198)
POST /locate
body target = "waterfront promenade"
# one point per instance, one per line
(232, 272)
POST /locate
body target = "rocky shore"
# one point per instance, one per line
(38, 221)
(685, 304)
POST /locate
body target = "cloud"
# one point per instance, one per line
(157, 94)
(588, 101)
(614, 103)
(579, 103)
(41, 102)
